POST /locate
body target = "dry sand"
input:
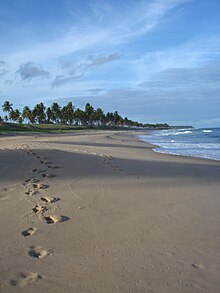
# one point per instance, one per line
(101, 212)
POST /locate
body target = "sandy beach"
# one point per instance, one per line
(101, 212)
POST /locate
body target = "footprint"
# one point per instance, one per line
(51, 175)
(38, 252)
(53, 167)
(38, 209)
(26, 279)
(52, 219)
(31, 192)
(55, 219)
(29, 181)
(48, 175)
(40, 186)
(50, 199)
(35, 180)
(29, 232)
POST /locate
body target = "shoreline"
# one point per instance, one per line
(102, 212)
(158, 147)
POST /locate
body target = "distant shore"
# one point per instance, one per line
(100, 211)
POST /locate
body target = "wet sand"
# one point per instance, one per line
(101, 212)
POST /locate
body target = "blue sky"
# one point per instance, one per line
(152, 60)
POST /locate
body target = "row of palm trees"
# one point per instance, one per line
(68, 114)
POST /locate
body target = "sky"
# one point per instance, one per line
(152, 60)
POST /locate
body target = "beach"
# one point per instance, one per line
(102, 212)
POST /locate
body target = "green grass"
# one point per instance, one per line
(13, 127)
(58, 128)
(51, 128)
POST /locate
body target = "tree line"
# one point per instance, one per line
(69, 115)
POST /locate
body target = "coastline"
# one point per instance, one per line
(160, 149)
(128, 219)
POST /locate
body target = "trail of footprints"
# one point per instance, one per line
(35, 190)
(108, 161)
(45, 205)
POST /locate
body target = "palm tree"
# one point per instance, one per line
(70, 112)
(117, 119)
(56, 112)
(110, 118)
(39, 113)
(7, 107)
(126, 121)
(98, 116)
(64, 115)
(14, 115)
(50, 115)
(67, 114)
(79, 116)
(32, 117)
(27, 114)
(89, 114)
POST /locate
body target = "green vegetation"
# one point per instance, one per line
(57, 118)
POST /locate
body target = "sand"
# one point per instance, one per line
(102, 212)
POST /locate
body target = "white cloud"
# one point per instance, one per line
(78, 68)
(146, 16)
(61, 80)
(205, 76)
(195, 53)
(138, 19)
(31, 70)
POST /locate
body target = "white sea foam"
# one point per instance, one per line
(207, 131)
(172, 132)
(203, 143)
(182, 132)
(189, 146)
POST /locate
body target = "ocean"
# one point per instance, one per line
(203, 142)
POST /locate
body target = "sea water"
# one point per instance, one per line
(203, 142)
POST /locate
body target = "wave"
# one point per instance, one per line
(172, 132)
(207, 131)
(204, 143)
(188, 146)
(182, 132)
(207, 155)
